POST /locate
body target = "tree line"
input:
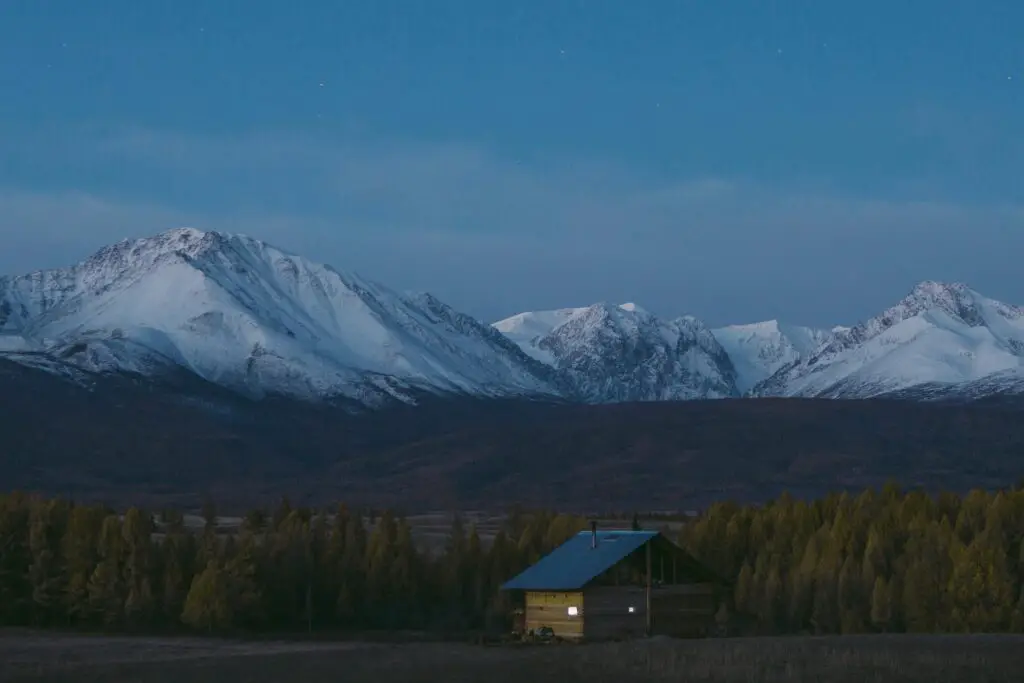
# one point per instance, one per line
(67, 565)
(879, 561)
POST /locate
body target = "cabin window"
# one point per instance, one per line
(573, 611)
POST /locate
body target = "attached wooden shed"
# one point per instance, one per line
(618, 584)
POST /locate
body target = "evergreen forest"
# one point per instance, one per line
(880, 561)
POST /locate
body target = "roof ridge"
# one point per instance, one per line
(576, 562)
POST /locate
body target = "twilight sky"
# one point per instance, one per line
(736, 160)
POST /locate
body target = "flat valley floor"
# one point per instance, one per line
(849, 659)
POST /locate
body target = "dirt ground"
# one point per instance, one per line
(924, 659)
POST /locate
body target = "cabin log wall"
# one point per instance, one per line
(608, 614)
(551, 609)
(683, 611)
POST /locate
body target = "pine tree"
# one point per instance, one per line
(242, 578)
(853, 615)
(1017, 617)
(380, 555)
(208, 605)
(925, 584)
(405, 607)
(825, 614)
(175, 575)
(288, 562)
(1020, 561)
(106, 585)
(744, 592)
(477, 593)
(881, 605)
(772, 598)
(321, 579)
(802, 585)
(454, 574)
(501, 565)
(349, 606)
(79, 549)
(981, 587)
(46, 527)
(209, 547)
(139, 602)
(874, 564)
(15, 556)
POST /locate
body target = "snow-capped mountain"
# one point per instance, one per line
(243, 314)
(941, 339)
(759, 350)
(247, 316)
(624, 353)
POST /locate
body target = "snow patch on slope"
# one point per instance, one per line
(938, 335)
(528, 329)
(624, 353)
(244, 314)
(759, 350)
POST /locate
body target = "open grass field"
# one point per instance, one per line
(431, 530)
(867, 659)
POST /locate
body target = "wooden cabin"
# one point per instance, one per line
(612, 584)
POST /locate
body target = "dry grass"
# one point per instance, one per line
(931, 659)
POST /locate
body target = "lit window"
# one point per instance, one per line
(632, 609)
(573, 611)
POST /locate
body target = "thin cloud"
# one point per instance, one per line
(495, 235)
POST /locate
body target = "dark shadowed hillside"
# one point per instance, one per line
(127, 440)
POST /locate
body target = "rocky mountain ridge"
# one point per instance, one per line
(244, 315)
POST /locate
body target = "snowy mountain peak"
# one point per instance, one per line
(958, 299)
(936, 289)
(930, 298)
(249, 316)
(940, 334)
(244, 314)
(954, 298)
(624, 353)
(144, 252)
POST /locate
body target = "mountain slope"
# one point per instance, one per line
(243, 314)
(759, 350)
(624, 353)
(246, 316)
(128, 440)
(942, 338)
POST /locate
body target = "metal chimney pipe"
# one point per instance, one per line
(593, 534)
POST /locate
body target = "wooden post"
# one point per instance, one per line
(647, 611)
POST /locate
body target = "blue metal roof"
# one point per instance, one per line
(573, 564)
